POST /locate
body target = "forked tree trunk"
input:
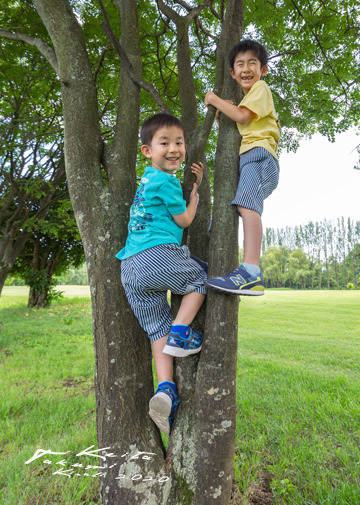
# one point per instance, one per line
(198, 465)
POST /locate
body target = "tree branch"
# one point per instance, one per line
(137, 79)
(205, 31)
(47, 51)
(184, 4)
(168, 11)
(222, 49)
(102, 57)
(175, 17)
(326, 59)
(285, 53)
(196, 11)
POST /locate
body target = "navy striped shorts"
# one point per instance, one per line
(148, 275)
(259, 176)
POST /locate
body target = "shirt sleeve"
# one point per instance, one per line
(258, 100)
(171, 194)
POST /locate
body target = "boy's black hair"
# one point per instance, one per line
(249, 45)
(157, 121)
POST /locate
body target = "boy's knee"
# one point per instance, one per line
(244, 211)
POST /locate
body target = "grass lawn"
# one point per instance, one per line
(298, 388)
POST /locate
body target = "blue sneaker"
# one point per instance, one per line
(183, 341)
(163, 406)
(239, 282)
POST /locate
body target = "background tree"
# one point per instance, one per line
(299, 268)
(353, 236)
(54, 246)
(329, 246)
(274, 265)
(31, 147)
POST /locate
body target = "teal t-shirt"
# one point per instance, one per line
(151, 223)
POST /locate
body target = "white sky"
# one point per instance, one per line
(316, 182)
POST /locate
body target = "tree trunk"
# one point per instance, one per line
(123, 367)
(215, 392)
(37, 300)
(9, 251)
(3, 274)
(353, 265)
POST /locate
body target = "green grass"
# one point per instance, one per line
(298, 385)
(47, 400)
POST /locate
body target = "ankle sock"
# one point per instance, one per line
(252, 269)
(182, 329)
(168, 385)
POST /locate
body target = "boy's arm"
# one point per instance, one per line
(241, 115)
(186, 218)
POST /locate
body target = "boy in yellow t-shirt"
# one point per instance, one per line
(259, 127)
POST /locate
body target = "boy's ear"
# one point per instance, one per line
(264, 70)
(145, 149)
(232, 73)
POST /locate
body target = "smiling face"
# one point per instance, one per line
(167, 149)
(247, 70)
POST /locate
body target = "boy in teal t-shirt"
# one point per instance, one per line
(153, 261)
(259, 128)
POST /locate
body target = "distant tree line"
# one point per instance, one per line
(318, 255)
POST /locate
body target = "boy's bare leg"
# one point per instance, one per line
(181, 341)
(163, 362)
(252, 226)
(247, 278)
(163, 405)
(189, 307)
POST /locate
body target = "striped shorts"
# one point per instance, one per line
(259, 176)
(148, 275)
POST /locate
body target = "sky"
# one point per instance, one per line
(317, 182)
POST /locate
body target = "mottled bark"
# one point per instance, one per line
(202, 446)
(197, 468)
(123, 377)
(215, 397)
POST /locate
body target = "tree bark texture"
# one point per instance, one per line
(203, 443)
(123, 371)
(197, 468)
(215, 392)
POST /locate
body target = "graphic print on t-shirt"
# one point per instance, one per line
(139, 219)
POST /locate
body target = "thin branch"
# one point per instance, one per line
(184, 4)
(295, 51)
(47, 51)
(102, 57)
(196, 11)
(136, 78)
(216, 14)
(175, 17)
(321, 48)
(206, 32)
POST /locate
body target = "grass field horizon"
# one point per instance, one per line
(298, 385)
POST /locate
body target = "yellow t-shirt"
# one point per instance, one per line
(264, 129)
